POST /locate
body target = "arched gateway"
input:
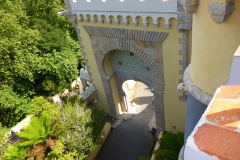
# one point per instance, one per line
(130, 62)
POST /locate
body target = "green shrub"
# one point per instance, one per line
(59, 152)
(40, 104)
(4, 140)
(13, 108)
(170, 145)
(98, 119)
(72, 129)
(16, 153)
(69, 133)
(38, 131)
(34, 140)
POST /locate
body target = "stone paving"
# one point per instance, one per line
(131, 138)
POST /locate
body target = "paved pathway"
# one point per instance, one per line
(132, 137)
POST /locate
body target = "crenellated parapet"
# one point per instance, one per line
(88, 91)
(127, 12)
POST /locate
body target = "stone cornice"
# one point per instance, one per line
(197, 93)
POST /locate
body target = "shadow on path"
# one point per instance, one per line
(132, 138)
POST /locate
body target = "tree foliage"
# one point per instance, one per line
(36, 46)
(39, 53)
(12, 107)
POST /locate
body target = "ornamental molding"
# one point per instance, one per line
(141, 35)
(220, 12)
(196, 92)
(128, 12)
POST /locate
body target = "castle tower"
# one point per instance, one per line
(215, 37)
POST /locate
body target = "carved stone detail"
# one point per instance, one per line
(184, 19)
(220, 12)
(190, 6)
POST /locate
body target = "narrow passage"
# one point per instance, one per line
(132, 137)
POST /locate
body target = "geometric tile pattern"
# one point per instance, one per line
(131, 64)
(141, 35)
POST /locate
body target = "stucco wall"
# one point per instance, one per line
(213, 46)
(174, 109)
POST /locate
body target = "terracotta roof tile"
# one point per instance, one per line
(228, 92)
(225, 113)
(217, 141)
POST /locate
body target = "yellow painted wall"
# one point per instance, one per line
(212, 47)
(174, 109)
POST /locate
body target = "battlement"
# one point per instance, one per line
(111, 11)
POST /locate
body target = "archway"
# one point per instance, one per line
(119, 61)
(138, 103)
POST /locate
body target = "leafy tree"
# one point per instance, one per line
(12, 107)
(39, 52)
(18, 53)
